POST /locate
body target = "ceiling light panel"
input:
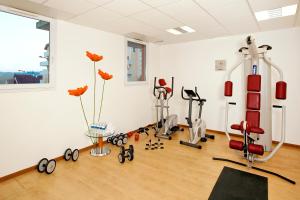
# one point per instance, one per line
(275, 13)
(188, 29)
(174, 31)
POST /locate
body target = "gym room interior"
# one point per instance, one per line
(149, 99)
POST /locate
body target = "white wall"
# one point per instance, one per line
(37, 124)
(192, 64)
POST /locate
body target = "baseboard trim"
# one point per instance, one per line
(23, 171)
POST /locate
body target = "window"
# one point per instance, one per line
(136, 62)
(25, 50)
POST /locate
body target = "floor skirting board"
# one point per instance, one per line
(20, 172)
(23, 171)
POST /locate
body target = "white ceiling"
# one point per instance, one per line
(150, 18)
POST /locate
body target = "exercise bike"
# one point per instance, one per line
(164, 127)
(197, 128)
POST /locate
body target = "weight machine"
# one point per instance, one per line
(256, 127)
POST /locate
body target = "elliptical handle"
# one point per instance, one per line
(154, 86)
(172, 86)
(182, 89)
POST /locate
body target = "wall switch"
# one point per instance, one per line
(220, 65)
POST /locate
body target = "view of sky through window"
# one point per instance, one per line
(24, 49)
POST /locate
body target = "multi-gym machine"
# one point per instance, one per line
(197, 128)
(256, 127)
(164, 127)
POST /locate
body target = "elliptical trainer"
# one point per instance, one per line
(164, 127)
(197, 128)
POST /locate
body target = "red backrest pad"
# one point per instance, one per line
(254, 83)
(253, 101)
(228, 89)
(281, 90)
(162, 82)
(253, 118)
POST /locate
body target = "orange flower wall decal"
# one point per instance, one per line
(104, 75)
(94, 57)
(79, 91)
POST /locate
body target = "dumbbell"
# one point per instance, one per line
(71, 154)
(118, 139)
(46, 165)
(126, 153)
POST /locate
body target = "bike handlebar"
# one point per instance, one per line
(194, 99)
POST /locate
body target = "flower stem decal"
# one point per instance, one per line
(77, 93)
(94, 92)
(87, 123)
(99, 117)
(104, 76)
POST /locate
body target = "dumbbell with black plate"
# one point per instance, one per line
(119, 139)
(71, 154)
(126, 153)
(46, 165)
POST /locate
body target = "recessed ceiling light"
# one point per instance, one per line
(173, 31)
(187, 29)
(181, 30)
(275, 13)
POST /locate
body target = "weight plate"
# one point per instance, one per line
(121, 158)
(50, 166)
(125, 140)
(119, 143)
(42, 165)
(75, 155)
(67, 154)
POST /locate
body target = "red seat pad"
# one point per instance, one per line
(238, 145)
(257, 130)
(254, 82)
(256, 149)
(253, 101)
(236, 127)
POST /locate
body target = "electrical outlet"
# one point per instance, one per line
(220, 65)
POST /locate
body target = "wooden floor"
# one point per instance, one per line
(176, 172)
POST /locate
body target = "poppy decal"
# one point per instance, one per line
(94, 57)
(104, 75)
(78, 92)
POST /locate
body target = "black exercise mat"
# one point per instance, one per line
(234, 184)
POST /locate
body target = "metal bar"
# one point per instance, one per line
(256, 168)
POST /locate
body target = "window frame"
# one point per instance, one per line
(52, 65)
(126, 62)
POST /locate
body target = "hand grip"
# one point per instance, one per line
(232, 103)
(277, 106)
